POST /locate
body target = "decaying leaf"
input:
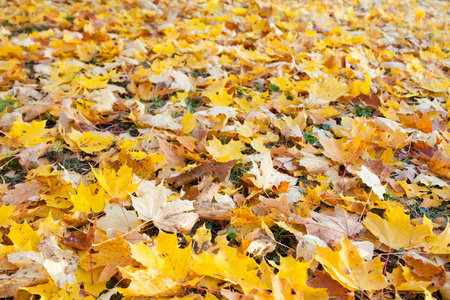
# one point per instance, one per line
(173, 216)
(27, 191)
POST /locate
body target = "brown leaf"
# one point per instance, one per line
(8, 119)
(422, 123)
(372, 100)
(262, 241)
(9, 287)
(425, 151)
(173, 157)
(28, 158)
(334, 289)
(334, 227)
(279, 207)
(214, 211)
(219, 171)
(208, 192)
(425, 268)
(81, 241)
(440, 164)
(27, 191)
(111, 255)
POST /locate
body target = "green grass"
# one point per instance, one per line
(238, 171)
(309, 138)
(198, 73)
(363, 111)
(8, 103)
(192, 105)
(274, 87)
(11, 164)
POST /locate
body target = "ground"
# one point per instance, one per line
(224, 149)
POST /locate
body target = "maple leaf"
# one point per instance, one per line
(438, 244)
(297, 273)
(330, 89)
(228, 265)
(173, 216)
(5, 215)
(29, 158)
(27, 191)
(188, 123)
(396, 230)
(109, 255)
(118, 219)
(168, 267)
(29, 135)
(116, 184)
(60, 264)
(372, 181)
(343, 151)
(335, 227)
(291, 102)
(262, 241)
(105, 100)
(30, 273)
(353, 272)
(86, 200)
(282, 289)
(23, 236)
(224, 152)
(90, 142)
(439, 163)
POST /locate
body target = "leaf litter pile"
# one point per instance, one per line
(224, 149)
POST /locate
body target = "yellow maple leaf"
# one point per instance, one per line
(167, 267)
(395, 229)
(116, 184)
(297, 273)
(226, 263)
(352, 271)
(147, 284)
(45, 291)
(438, 244)
(94, 82)
(89, 142)
(109, 255)
(330, 89)
(146, 256)
(360, 87)
(5, 214)
(343, 151)
(188, 123)
(222, 98)
(87, 200)
(84, 277)
(177, 261)
(23, 236)
(29, 135)
(224, 153)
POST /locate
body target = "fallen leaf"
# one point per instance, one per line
(424, 267)
(334, 227)
(173, 216)
(353, 272)
(372, 181)
(440, 164)
(395, 229)
(109, 255)
(224, 152)
(27, 191)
